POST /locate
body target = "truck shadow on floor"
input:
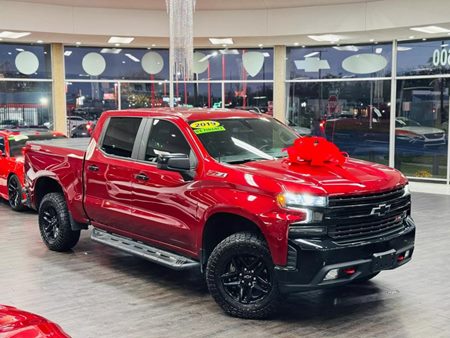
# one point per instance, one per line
(150, 281)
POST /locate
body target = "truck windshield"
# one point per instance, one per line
(240, 140)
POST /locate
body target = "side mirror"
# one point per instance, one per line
(2, 154)
(176, 162)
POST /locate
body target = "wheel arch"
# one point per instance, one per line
(220, 225)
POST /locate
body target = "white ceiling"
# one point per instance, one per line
(201, 4)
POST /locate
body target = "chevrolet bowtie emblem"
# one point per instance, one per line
(381, 210)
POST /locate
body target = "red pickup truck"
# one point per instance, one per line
(214, 190)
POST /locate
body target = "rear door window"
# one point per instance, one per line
(120, 136)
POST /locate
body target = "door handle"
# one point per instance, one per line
(92, 167)
(142, 177)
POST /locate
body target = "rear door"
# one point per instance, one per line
(108, 173)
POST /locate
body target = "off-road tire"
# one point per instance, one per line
(242, 245)
(54, 223)
(15, 193)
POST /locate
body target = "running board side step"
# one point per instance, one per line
(145, 251)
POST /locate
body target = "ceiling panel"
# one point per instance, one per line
(201, 4)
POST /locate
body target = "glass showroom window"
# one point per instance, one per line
(25, 100)
(25, 104)
(423, 58)
(89, 99)
(199, 94)
(116, 63)
(421, 127)
(352, 61)
(144, 95)
(352, 114)
(233, 64)
(250, 95)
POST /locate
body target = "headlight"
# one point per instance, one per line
(291, 200)
(406, 191)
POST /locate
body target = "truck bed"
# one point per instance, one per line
(77, 144)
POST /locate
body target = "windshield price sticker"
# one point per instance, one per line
(203, 127)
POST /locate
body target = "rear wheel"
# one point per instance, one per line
(15, 194)
(54, 223)
(240, 277)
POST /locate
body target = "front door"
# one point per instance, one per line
(108, 174)
(164, 204)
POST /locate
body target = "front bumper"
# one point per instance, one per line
(314, 259)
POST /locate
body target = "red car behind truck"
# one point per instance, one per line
(213, 190)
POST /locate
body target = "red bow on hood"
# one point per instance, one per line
(316, 150)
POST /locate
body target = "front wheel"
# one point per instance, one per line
(15, 194)
(240, 277)
(54, 223)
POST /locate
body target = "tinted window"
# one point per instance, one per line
(165, 138)
(120, 136)
(2, 145)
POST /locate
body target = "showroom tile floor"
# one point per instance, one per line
(96, 291)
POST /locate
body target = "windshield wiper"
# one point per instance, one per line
(245, 160)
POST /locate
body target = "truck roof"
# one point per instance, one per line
(189, 114)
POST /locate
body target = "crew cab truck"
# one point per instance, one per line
(213, 190)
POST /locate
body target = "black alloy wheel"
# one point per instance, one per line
(241, 278)
(50, 223)
(246, 279)
(15, 194)
(54, 223)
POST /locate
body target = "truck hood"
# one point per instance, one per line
(353, 177)
(422, 130)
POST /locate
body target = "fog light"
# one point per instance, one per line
(332, 274)
(349, 271)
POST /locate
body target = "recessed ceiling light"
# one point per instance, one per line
(412, 37)
(311, 54)
(68, 53)
(39, 41)
(110, 50)
(430, 29)
(221, 41)
(372, 40)
(13, 35)
(424, 39)
(132, 57)
(296, 43)
(260, 45)
(153, 45)
(78, 43)
(327, 38)
(117, 44)
(120, 39)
